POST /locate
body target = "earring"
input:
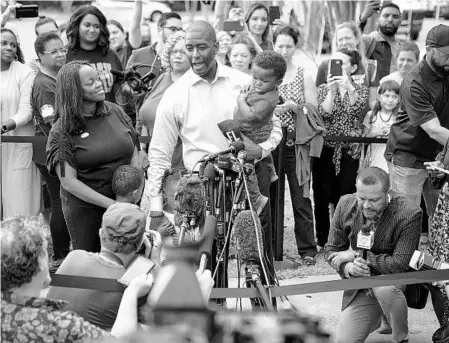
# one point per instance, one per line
(16, 57)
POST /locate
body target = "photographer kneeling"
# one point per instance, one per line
(122, 236)
(27, 316)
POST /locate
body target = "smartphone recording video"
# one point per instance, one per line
(229, 26)
(27, 11)
(274, 14)
(335, 67)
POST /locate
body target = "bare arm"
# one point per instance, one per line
(372, 97)
(135, 34)
(245, 109)
(328, 103)
(72, 185)
(436, 131)
(310, 90)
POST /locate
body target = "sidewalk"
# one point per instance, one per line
(327, 307)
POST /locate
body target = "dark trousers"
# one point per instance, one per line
(302, 207)
(328, 187)
(83, 224)
(58, 228)
(264, 179)
(438, 301)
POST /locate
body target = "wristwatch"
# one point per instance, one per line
(4, 129)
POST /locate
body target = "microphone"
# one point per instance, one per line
(230, 129)
(245, 232)
(188, 204)
(207, 241)
(365, 240)
(234, 148)
(424, 261)
(247, 245)
(119, 74)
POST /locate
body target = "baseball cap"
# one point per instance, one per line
(124, 223)
(438, 38)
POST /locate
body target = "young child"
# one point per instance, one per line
(254, 111)
(378, 122)
(127, 184)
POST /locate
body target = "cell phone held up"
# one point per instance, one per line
(230, 26)
(141, 265)
(335, 67)
(27, 11)
(274, 13)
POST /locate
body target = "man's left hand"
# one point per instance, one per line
(253, 150)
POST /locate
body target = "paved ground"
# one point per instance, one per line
(327, 307)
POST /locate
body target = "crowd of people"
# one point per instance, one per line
(105, 186)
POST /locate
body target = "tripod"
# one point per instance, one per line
(226, 194)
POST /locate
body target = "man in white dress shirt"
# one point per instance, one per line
(191, 108)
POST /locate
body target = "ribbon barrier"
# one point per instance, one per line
(111, 285)
(147, 139)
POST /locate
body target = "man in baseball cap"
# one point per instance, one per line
(422, 125)
(438, 39)
(122, 236)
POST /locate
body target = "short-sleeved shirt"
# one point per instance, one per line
(360, 77)
(98, 307)
(26, 319)
(424, 96)
(107, 143)
(43, 104)
(103, 64)
(261, 105)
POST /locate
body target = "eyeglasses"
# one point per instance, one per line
(178, 52)
(173, 28)
(56, 52)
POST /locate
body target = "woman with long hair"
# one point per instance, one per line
(296, 90)
(21, 188)
(241, 53)
(257, 27)
(174, 60)
(348, 36)
(224, 43)
(51, 54)
(90, 139)
(341, 102)
(88, 37)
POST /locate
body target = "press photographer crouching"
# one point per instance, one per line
(25, 315)
(122, 236)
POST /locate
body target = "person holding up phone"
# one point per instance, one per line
(341, 103)
(122, 236)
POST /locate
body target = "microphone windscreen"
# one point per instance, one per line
(190, 196)
(207, 239)
(238, 146)
(209, 172)
(230, 129)
(245, 233)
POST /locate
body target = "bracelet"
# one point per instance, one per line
(156, 214)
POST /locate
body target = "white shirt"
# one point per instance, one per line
(191, 108)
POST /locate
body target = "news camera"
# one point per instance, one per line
(133, 78)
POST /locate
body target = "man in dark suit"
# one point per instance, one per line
(395, 224)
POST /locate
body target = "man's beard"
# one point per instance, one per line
(440, 70)
(388, 31)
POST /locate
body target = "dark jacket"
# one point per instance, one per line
(396, 236)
